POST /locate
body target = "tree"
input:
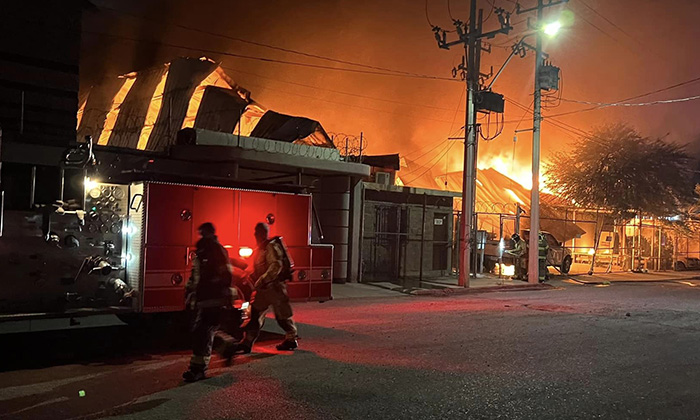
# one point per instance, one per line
(617, 170)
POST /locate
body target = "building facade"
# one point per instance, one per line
(407, 234)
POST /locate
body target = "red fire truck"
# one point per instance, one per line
(127, 248)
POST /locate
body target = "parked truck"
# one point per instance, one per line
(125, 245)
(495, 252)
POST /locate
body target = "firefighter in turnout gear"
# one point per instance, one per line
(543, 250)
(210, 295)
(519, 251)
(270, 290)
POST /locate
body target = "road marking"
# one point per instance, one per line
(13, 392)
(53, 401)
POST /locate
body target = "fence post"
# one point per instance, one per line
(422, 242)
(500, 250)
(658, 265)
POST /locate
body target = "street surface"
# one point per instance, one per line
(580, 351)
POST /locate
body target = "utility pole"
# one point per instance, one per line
(533, 263)
(469, 168)
(470, 37)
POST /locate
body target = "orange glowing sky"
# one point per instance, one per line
(627, 48)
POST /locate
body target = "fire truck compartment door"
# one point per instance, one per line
(168, 241)
(255, 207)
(169, 215)
(215, 205)
(294, 219)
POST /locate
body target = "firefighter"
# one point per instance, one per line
(270, 290)
(209, 294)
(519, 251)
(543, 250)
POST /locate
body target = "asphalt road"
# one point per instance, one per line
(624, 351)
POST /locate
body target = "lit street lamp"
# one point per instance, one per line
(552, 28)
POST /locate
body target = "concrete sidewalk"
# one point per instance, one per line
(447, 285)
(629, 277)
(360, 290)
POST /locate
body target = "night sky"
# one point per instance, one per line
(614, 50)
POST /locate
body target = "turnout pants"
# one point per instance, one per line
(276, 296)
(204, 329)
(521, 267)
(543, 274)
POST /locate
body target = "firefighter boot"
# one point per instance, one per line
(234, 349)
(288, 345)
(238, 348)
(194, 374)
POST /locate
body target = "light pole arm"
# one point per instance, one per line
(517, 48)
(503, 67)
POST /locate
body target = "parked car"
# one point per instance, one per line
(686, 263)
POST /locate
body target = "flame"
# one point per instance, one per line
(213, 79)
(113, 113)
(506, 270)
(514, 196)
(81, 111)
(152, 113)
(514, 170)
(249, 120)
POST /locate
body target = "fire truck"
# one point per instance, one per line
(125, 244)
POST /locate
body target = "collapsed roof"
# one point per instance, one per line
(144, 110)
(495, 194)
(383, 161)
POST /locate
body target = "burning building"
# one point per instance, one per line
(145, 110)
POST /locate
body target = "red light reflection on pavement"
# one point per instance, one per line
(252, 397)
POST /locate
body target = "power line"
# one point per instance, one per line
(528, 110)
(613, 24)
(427, 17)
(449, 10)
(337, 91)
(269, 60)
(572, 131)
(644, 48)
(260, 44)
(623, 104)
(429, 151)
(431, 166)
(450, 134)
(263, 87)
(674, 86)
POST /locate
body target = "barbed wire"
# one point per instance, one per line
(500, 208)
(350, 146)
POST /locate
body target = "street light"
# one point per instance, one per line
(552, 28)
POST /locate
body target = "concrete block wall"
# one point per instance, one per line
(332, 203)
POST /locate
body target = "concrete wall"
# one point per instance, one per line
(355, 232)
(332, 203)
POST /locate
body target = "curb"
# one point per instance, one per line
(468, 291)
(596, 282)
